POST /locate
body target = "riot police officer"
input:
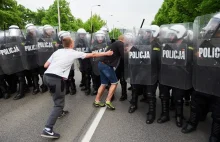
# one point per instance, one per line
(82, 44)
(14, 61)
(106, 31)
(70, 83)
(144, 70)
(206, 75)
(175, 71)
(99, 44)
(31, 44)
(46, 48)
(3, 87)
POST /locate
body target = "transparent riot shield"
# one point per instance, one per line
(12, 54)
(2, 39)
(141, 63)
(82, 42)
(99, 44)
(46, 47)
(176, 56)
(31, 51)
(206, 69)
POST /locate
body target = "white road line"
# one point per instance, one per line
(94, 125)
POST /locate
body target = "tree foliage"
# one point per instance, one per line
(114, 33)
(178, 11)
(12, 13)
(97, 23)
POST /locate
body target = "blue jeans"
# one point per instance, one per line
(107, 74)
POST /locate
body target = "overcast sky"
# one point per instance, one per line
(126, 13)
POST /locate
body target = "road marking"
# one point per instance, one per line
(94, 125)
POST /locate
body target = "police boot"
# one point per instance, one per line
(36, 85)
(73, 87)
(145, 98)
(124, 92)
(67, 87)
(94, 92)
(152, 111)
(203, 115)
(82, 82)
(43, 88)
(1, 95)
(179, 113)
(191, 125)
(165, 111)
(172, 104)
(88, 91)
(29, 82)
(133, 101)
(4, 92)
(215, 132)
(26, 89)
(83, 88)
(21, 91)
(213, 139)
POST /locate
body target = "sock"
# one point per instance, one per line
(48, 129)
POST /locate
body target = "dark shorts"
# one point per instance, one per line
(107, 74)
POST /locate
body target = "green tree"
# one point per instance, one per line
(209, 6)
(26, 15)
(114, 33)
(40, 14)
(178, 11)
(67, 20)
(97, 23)
(162, 15)
(9, 13)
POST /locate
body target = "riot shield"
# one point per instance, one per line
(46, 47)
(12, 54)
(2, 41)
(99, 44)
(206, 56)
(141, 63)
(82, 44)
(31, 52)
(176, 56)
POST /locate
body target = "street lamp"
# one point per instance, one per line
(58, 10)
(91, 14)
(58, 13)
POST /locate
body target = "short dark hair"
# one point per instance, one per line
(67, 41)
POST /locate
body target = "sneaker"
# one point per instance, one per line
(98, 104)
(63, 114)
(110, 106)
(50, 134)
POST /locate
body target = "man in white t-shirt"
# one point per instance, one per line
(58, 68)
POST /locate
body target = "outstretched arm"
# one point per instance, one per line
(94, 55)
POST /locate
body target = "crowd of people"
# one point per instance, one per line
(181, 60)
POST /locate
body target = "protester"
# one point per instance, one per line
(58, 68)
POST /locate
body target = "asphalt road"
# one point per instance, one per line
(23, 121)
